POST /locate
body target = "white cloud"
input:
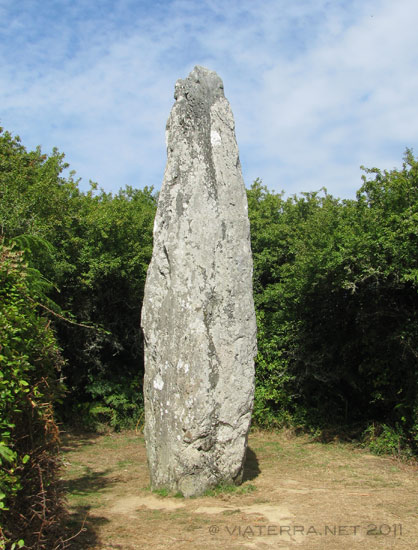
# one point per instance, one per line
(342, 102)
(317, 88)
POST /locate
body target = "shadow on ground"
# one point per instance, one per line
(71, 441)
(88, 483)
(251, 466)
(82, 527)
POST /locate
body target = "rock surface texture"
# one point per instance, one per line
(198, 314)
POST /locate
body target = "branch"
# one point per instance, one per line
(58, 315)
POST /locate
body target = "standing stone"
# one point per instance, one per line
(198, 314)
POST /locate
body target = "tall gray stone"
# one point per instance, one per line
(198, 314)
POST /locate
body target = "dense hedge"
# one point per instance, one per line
(336, 294)
(91, 251)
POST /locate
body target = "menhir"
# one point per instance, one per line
(198, 313)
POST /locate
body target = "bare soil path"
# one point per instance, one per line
(297, 494)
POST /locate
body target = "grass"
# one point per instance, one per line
(124, 463)
(162, 492)
(230, 488)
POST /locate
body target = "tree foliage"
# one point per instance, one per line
(336, 295)
(106, 290)
(89, 254)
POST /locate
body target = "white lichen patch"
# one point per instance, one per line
(180, 366)
(215, 138)
(158, 382)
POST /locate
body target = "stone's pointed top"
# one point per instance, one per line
(202, 85)
(206, 77)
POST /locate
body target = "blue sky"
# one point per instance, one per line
(317, 87)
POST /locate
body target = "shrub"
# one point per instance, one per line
(30, 498)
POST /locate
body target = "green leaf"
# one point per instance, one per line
(7, 453)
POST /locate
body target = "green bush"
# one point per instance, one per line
(335, 289)
(382, 439)
(88, 254)
(30, 360)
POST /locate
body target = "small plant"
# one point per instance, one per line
(161, 492)
(228, 488)
(382, 439)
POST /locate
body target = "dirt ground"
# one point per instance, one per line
(297, 494)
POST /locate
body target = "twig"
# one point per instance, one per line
(139, 420)
(58, 315)
(43, 499)
(63, 542)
